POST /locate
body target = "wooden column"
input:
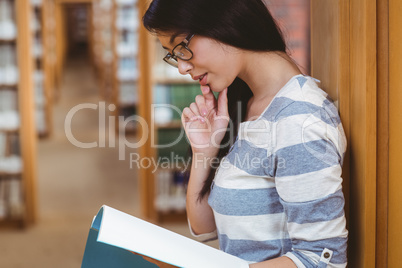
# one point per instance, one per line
(344, 58)
(363, 89)
(382, 133)
(147, 182)
(26, 107)
(395, 134)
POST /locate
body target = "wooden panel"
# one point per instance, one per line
(330, 62)
(26, 106)
(344, 59)
(363, 132)
(145, 99)
(395, 133)
(326, 45)
(382, 134)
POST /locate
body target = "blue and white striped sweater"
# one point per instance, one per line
(279, 189)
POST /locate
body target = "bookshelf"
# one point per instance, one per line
(125, 67)
(60, 45)
(18, 202)
(101, 38)
(162, 96)
(171, 179)
(42, 28)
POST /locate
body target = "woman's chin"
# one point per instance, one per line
(216, 89)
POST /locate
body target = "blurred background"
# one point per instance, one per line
(77, 82)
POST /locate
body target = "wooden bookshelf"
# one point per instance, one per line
(60, 46)
(101, 44)
(125, 62)
(49, 60)
(19, 205)
(152, 76)
(43, 65)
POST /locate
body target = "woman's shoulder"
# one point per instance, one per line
(305, 97)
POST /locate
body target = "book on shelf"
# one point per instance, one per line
(172, 141)
(11, 199)
(115, 235)
(170, 190)
(8, 28)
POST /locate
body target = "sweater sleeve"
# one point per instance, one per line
(308, 156)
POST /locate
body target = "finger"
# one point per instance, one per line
(187, 115)
(195, 109)
(202, 107)
(223, 103)
(210, 99)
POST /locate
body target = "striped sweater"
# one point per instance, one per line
(279, 189)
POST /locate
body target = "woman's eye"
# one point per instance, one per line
(179, 54)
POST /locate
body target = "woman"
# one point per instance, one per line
(276, 198)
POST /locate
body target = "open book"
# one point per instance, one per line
(114, 234)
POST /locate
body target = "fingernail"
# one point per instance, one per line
(204, 112)
(204, 89)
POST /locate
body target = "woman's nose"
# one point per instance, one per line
(184, 66)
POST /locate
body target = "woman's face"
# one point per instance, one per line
(213, 63)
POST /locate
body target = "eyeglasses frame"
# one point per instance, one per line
(185, 44)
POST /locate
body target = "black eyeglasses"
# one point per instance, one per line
(181, 51)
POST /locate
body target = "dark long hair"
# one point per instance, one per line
(244, 24)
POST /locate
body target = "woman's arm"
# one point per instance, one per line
(199, 212)
(205, 123)
(310, 147)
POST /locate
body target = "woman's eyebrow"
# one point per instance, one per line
(171, 40)
(173, 37)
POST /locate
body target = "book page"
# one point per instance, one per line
(133, 234)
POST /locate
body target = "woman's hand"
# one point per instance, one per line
(205, 121)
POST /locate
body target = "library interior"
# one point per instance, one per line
(72, 140)
(90, 116)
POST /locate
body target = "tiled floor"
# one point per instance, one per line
(73, 182)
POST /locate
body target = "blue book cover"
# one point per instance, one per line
(114, 236)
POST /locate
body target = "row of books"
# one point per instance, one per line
(128, 93)
(11, 201)
(172, 144)
(126, 2)
(127, 17)
(9, 74)
(9, 145)
(8, 29)
(171, 190)
(126, 38)
(37, 47)
(39, 76)
(11, 165)
(8, 65)
(171, 99)
(9, 117)
(127, 69)
(127, 43)
(35, 19)
(10, 160)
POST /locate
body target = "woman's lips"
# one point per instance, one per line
(203, 79)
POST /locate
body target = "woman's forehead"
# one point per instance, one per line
(169, 40)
